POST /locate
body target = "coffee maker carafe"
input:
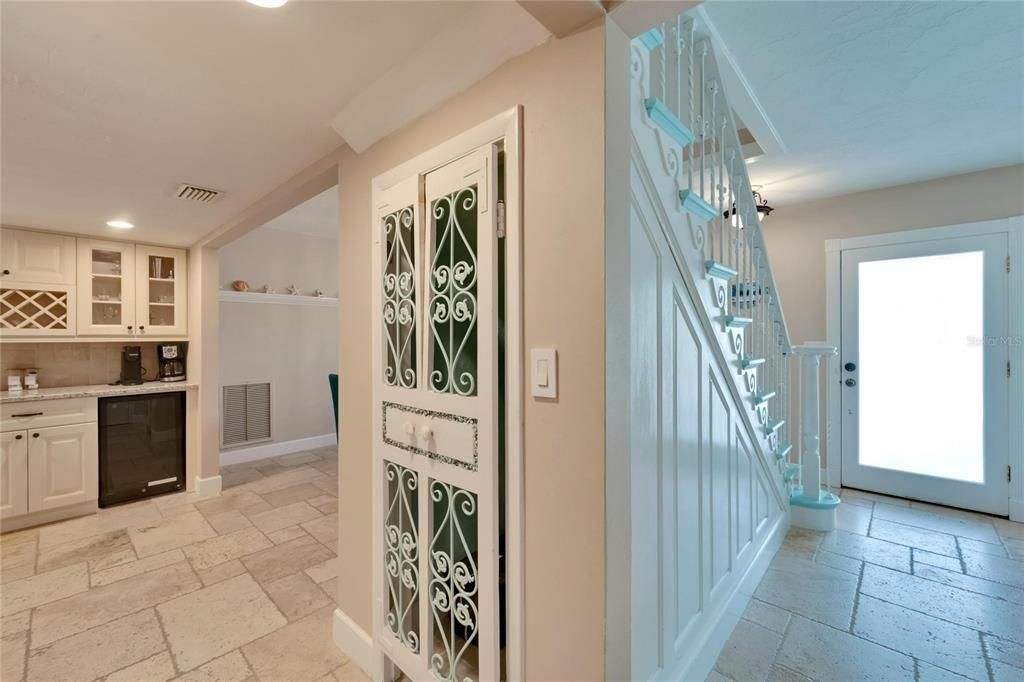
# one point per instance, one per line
(171, 361)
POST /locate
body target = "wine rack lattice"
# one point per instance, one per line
(35, 309)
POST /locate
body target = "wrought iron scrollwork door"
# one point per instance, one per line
(436, 427)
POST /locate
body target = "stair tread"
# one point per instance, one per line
(696, 205)
(718, 270)
(663, 117)
(773, 426)
(748, 363)
(782, 452)
(735, 321)
(651, 39)
(762, 398)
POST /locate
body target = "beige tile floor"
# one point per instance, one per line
(901, 591)
(236, 587)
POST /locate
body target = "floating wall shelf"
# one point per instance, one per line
(279, 299)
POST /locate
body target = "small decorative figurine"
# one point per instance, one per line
(267, 289)
(240, 285)
(318, 293)
(292, 290)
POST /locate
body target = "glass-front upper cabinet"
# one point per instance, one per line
(160, 293)
(106, 288)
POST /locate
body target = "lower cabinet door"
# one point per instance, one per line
(13, 474)
(63, 466)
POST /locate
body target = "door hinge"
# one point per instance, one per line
(1007, 369)
(1009, 473)
(1007, 263)
(500, 219)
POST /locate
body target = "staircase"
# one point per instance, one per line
(689, 177)
(676, 81)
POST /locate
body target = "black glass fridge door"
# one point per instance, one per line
(142, 446)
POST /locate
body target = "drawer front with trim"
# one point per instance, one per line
(43, 413)
(439, 436)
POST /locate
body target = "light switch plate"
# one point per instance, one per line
(544, 373)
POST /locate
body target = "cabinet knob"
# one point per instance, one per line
(7, 272)
(18, 437)
(35, 435)
(129, 327)
(142, 327)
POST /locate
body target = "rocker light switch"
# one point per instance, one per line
(544, 372)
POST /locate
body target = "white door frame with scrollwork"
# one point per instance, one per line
(423, 495)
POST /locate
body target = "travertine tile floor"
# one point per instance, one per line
(236, 587)
(901, 591)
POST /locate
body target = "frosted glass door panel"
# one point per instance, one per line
(922, 372)
(922, 365)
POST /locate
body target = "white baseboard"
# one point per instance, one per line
(265, 450)
(208, 487)
(357, 644)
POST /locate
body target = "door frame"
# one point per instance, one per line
(505, 127)
(1013, 228)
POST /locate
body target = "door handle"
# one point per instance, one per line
(850, 367)
(35, 435)
(28, 414)
(850, 382)
(18, 437)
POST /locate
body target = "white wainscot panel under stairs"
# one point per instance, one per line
(712, 471)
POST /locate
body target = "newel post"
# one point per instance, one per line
(812, 507)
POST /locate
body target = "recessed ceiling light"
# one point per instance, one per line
(269, 4)
(121, 224)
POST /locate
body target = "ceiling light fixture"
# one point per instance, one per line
(121, 224)
(760, 203)
(267, 4)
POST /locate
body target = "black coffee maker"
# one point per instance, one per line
(131, 366)
(171, 361)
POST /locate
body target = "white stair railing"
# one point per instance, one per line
(686, 102)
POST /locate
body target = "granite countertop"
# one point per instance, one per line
(94, 391)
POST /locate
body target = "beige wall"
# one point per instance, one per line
(796, 233)
(292, 346)
(560, 86)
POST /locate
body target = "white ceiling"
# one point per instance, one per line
(107, 106)
(316, 217)
(873, 94)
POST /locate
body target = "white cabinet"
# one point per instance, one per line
(37, 257)
(106, 288)
(130, 290)
(63, 466)
(13, 474)
(37, 284)
(49, 458)
(160, 293)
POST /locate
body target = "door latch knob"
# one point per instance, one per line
(851, 382)
(850, 367)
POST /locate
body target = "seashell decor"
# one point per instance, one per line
(240, 285)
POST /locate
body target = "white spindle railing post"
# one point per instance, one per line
(810, 355)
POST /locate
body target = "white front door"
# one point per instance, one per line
(923, 371)
(436, 389)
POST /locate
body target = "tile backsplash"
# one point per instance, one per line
(72, 364)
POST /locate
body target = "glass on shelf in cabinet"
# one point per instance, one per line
(106, 313)
(161, 316)
(106, 263)
(161, 269)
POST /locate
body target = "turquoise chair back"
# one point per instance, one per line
(332, 379)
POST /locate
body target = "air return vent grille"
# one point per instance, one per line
(245, 414)
(203, 195)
